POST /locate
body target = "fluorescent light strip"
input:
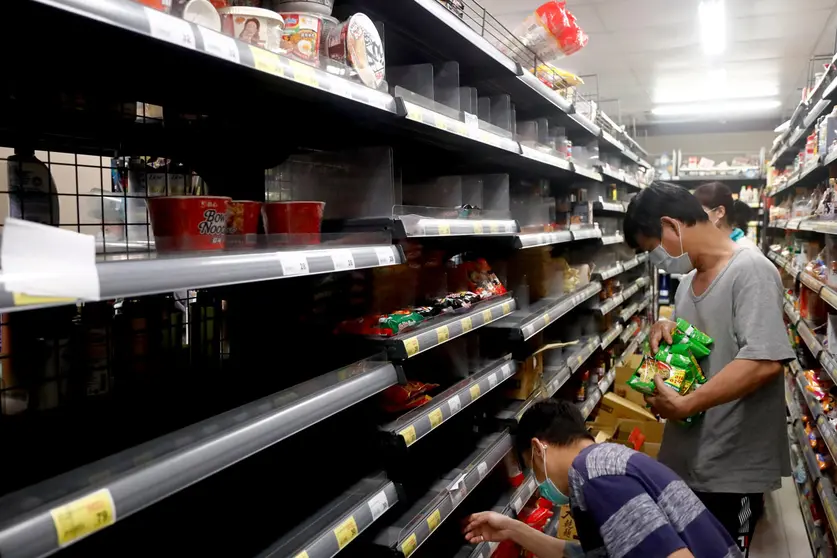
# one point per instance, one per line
(729, 108)
(713, 26)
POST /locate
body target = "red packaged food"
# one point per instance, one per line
(243, 222)
(299, 219)
(552, 32)
(185, 223)
(408, 396)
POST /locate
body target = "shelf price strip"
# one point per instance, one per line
(422, 421)
(564, 305)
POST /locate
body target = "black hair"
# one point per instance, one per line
(716, 194)
(553, 421)
(658, 201)
(741, 215)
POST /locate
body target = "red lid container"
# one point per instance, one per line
(186, 223)
(243, 222)
(300, 218)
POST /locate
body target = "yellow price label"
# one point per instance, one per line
(304, 74)
(546, 318)
(267, 61)
(22, 299)
(478, 228)
(441, 124)
(444, 229)
(414, 113)
(409, 546)
(411, 345)
(434, 520)
(486, 316)
(467, 324)
(409, 435)
(302, 554)
(475, 392)
(442, 334)
(436, 418)
(495, 228)
(346, 532)
(506, 308)
(84, 516)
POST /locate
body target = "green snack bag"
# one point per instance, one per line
(666, 355)
(642, 379)
(699, 377)
(698, 349)
(679, 349)
(694, 333)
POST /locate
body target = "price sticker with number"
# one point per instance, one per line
(411, 345)
(435, 418)
(385, 255)
(434, 520)
(478, 229)
(442, 334)
(482, 469)
(346, 532)
(467, 324)
(444, 229)
(170, 29)
(486, 316)
(302, 554)
(506, 308)
(475, 392)
(492, 380)
(294, 263)
(546, 318)
(409, 546)
(414, 113)
(219, 45)
(454, 404)
(342, 259)
(303, 74)
(409, 435)
(84, 516)
(441, 123)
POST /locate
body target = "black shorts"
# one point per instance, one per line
(738, 513)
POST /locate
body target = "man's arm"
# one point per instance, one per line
(543, 545)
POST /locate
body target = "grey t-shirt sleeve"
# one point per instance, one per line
(757, 313)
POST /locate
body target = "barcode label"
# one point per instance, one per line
(385, 255)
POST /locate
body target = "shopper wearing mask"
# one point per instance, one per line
(730, 216)
(738, 451)
(624, 503)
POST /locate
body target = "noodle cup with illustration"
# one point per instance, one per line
(243, 222)
(187, 223)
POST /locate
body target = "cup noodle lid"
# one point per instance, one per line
(365, 50)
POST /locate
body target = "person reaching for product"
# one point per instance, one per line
(738, 450)
(730, 216)
(624, 503)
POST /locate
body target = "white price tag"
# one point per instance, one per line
(454, 404)
(385, 255)
(472, 121)
(342, 259)
(294, 263)
(492, 380)
(219, 45)
(517, 504)
(378, 505)
(171, 29)
(482, 469)
(507, 369)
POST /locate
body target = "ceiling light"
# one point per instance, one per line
(713, 26)
(725, 108)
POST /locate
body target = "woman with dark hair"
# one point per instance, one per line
(250, 32)
(730, 216)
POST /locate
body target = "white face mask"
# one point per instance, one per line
(680, 264)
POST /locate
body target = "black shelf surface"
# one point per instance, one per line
(415, 425)
(443, 328)
(130, 275)
(339, 522)
(129, 481)
(406, 533)
(523, 325)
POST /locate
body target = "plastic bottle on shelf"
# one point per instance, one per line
(742, 194)
(32, 193)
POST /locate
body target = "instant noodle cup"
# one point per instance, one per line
(243, 222)
(301, 220)
(321, 7)
(255, 26)
(186, 223)
(357, 43)
(303, 34)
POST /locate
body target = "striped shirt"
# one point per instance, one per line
(626, 504)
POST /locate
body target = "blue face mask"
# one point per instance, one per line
(680, 264)
(547, 488)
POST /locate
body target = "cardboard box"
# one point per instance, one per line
(527, 379)
(651, 450)
(566, 525)
(652, 430)
(614, 407)
(624, 373)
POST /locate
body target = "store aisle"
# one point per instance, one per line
(781, 533)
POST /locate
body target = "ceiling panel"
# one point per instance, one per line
(635, 15)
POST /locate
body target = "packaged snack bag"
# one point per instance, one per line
(643, 378)
(698, 349)
(679, 360)
(694, 333)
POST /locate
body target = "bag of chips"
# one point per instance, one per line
(694, 333)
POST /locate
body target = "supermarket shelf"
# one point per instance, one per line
(584, 352)
(137, 478)
(825, 490)
(524, 324)
(620, 176)
(815, 535)
(532, 240)
(587, 173)
(553, 379)
(590, 403)
(814, 473)
(608, 207)
(634, 308)
(610, 336)
(792, 406)
(717, 177)
(628, 332)
(143, 274)
(620, 267)
(613, 239)
(407, 533)
(633, 345)
(607, 306)
(337, 524)
(607, 381)
(454, 227)
(810, 175)
(415, 425)
(442, 329)
(516, 500)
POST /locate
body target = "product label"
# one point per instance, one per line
(409, 435)
(454, 404)
(346, 532)
(378, 505)
(385, 255)
(482, 469)
(411, 345)
(409, 546)
(434, 520)
(467, 324)
(492, 380)
(486, 316)
(213, 224)
(475, 392)
(219, 45)
(442, 334)
(84, 516)
(506, 308)
(342, 259)
(435, 418)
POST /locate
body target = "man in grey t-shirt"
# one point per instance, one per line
(738, 450)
